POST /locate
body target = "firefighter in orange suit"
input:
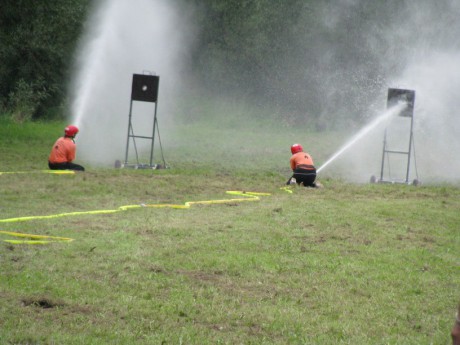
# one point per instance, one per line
(63, 151)
(302, 166)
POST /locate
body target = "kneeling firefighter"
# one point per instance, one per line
(63, 151)
(302, 167)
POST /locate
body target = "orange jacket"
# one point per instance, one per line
(63, 151)
(301, 160)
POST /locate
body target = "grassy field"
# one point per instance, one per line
(345, 264)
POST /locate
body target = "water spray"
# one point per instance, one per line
(93, 61)
(393, 111)
(122, 38)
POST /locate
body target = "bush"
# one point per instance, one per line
(25, 99)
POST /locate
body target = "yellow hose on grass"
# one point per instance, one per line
(34, 239)
(56, 172)
(42, 239)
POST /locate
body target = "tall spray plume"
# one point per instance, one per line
(124, 38)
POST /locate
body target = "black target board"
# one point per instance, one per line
(396, 96)
(145, 88)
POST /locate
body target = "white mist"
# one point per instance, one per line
(363, 132)
(426, 52)
(123, 38)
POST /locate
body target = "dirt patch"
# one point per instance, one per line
(157, 269)
(203, 276)
(42, 302)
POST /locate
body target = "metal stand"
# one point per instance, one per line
(394, 96)
(145, 89)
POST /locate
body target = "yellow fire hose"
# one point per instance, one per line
(44, 239)
(34, 239)
(57, 172)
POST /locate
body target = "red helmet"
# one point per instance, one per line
(71, 131)
(296, 148)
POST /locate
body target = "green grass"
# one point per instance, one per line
(346, 264)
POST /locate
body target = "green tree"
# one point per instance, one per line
(242, 42)
(37, 39)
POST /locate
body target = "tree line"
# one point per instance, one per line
(37, 41)
(306, 58)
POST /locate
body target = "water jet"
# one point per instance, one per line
(400, 103)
